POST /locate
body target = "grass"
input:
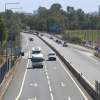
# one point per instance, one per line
(85, 34)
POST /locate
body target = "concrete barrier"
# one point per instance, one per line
(79, 77)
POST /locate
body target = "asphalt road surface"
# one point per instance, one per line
(52, 82)
(81, 58)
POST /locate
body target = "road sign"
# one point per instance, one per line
(53, 27)
(70, 38)
(89, 42)
(96, 48)
(2, 53)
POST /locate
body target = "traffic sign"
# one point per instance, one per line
(96, 48)
(89, 42)
(2, 53)
(53, 27)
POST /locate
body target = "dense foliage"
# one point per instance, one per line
(70, 19)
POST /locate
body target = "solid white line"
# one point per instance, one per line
(23, 81)
(69, 98)
(73, 80)
(52, 97)
(23, 78)
(50, 88)
(27, 42)
(48, 82)
(46, 73)
(47, 77)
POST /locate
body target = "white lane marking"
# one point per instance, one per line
(23, 80)
(51, 96)
(46, 70)
(27, 42)
(73, 80)
(48, 77)
(88, 55)
(48, 82)
(55, 68)
(45, 66)
(34, 84)
(69, 98)
(93, 68)
(46, 73)
(50, 88)
(32, 99)
(97, 71)
(36, 43)
(62, 84)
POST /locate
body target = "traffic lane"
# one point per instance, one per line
(24, 43)
(15, 85)
(75, 60)
(72, 45)
(35, 83)
(58, 77)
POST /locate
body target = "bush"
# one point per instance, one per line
(76, 40)
(1, 61)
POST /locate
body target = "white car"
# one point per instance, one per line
(52, 56)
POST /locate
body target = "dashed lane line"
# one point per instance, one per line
(48, 82)
(50, 88)
(51, 96)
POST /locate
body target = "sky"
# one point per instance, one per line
(30, 5)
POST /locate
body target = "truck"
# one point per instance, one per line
(36, 50)
(37, 60)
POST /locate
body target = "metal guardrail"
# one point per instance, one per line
(3, 70)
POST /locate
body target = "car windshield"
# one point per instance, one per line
(51, 53)
(36, 51)
(37, 60)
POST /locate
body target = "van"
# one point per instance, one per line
(37, 60)
(36, 50)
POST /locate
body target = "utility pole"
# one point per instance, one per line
(98, 30)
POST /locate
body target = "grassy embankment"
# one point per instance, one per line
(85, 34)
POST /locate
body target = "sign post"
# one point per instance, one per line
(0, 49)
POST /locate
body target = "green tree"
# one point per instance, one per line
(2, 29)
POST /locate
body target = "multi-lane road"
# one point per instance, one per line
(53, 81)
(81, 58)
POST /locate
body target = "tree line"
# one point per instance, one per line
(70, 19)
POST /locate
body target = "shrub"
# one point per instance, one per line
(1, 61)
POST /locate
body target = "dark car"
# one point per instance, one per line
(59, 42)
(42, 35)
(65, 44)
(37, 33)
(51, 37)
(31, 39)
(56, 40)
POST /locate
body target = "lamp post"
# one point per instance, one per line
(6, 25)
(11, 37)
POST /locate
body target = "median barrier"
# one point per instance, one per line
(76, 73)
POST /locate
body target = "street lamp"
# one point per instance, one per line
(6, 25)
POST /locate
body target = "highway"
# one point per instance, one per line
(53, 82)
(81, 58)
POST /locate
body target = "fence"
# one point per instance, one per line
(3, 70)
